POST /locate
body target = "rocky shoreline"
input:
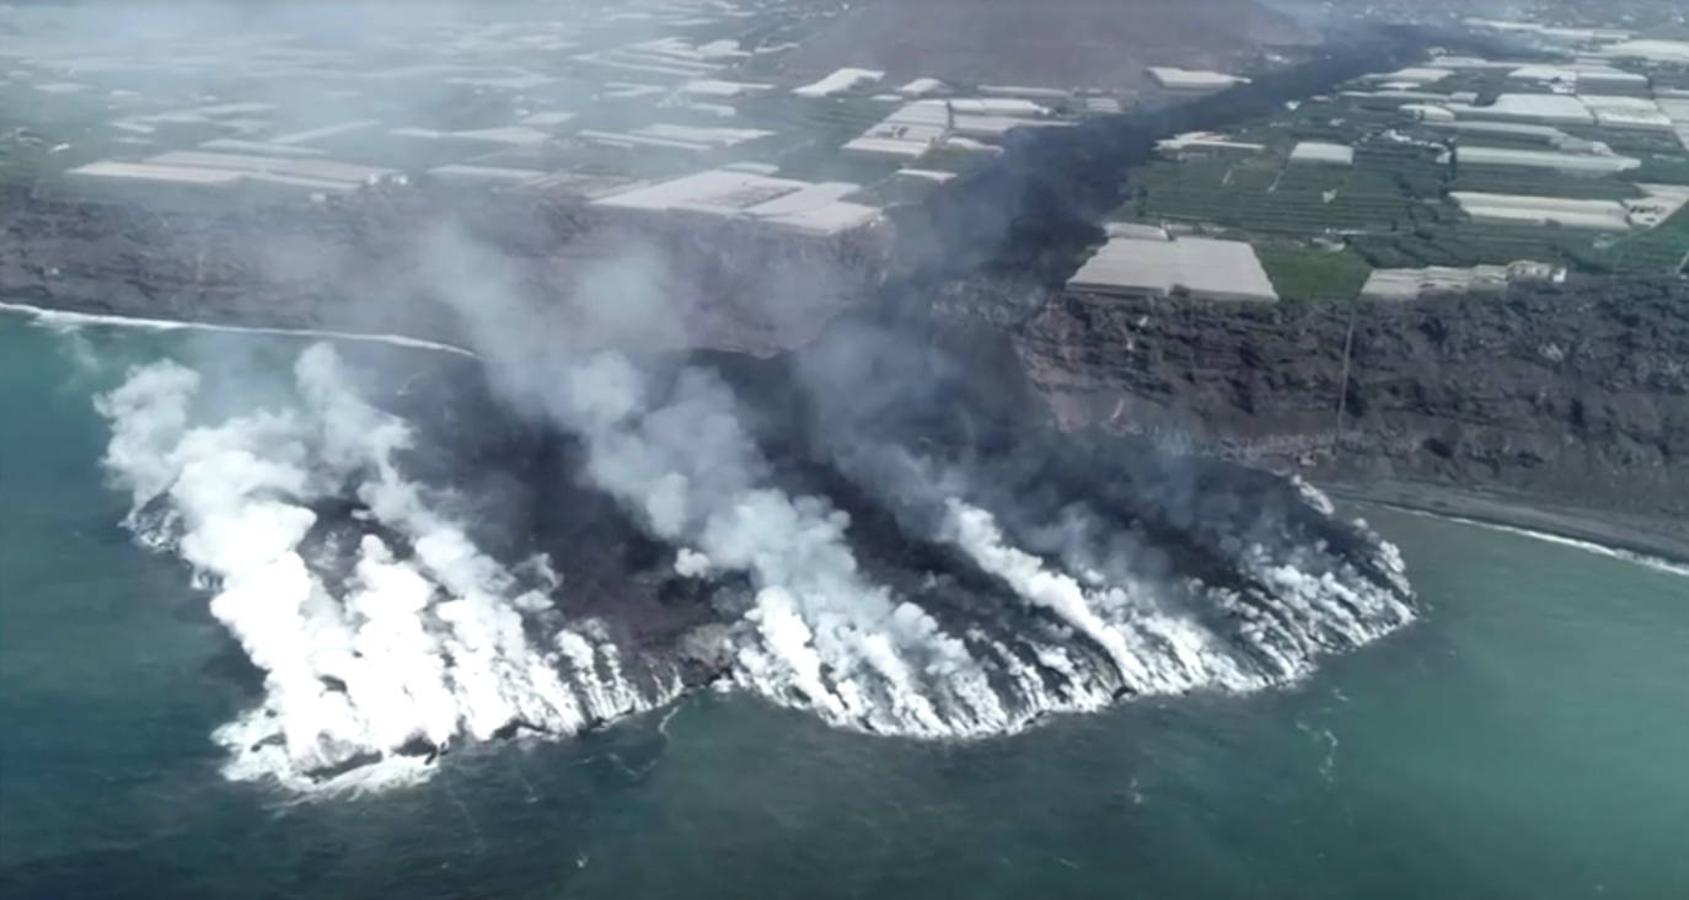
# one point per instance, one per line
(1661, 538)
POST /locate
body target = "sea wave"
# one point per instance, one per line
(67, 319)
(1647, 561)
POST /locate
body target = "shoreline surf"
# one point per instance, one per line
(1664, 562)
(66, 317)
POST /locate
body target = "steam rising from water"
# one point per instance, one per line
(389, 635)
(423, 643)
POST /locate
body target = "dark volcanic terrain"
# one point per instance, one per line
(1571, 395)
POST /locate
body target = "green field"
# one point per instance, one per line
(1299, 200)
(1663, 249)
(1302, 273)
(1471, 243)
(1542, 183)
(1392, 208)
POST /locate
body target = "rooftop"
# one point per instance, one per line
(1204, 267)
(810, 208)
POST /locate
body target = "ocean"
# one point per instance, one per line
(1525, 738)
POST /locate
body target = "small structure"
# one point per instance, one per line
(1593, 164)
(461, 173)
(1659, 51)
(1662, 201)
(1540, 109)
(1322, 153)
(714, 87)
(1412, 77)
(1194, 143)
(937, 176)
(1580, 76)
(506, 136)
(839, 82)
(907, 134)
(1201, 268)
(1410, 284)
(924, 87)
(1599, 215)
(1619, 111)
(690, 138)
(1137, 231)
(1428, 112)
(210, 169)
(1176, 79)
(798, 206)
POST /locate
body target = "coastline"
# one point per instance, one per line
(1654, 542)
(70, 318)
(1644, 540)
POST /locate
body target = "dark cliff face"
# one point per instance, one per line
(1577, 393)
(370, 263)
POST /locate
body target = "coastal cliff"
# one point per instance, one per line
(370, 263)
(1573, 395)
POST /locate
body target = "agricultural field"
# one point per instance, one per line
(1505, 180)
(1665, 248)
(1392, 208)
(1313, 273)
(1269, 199)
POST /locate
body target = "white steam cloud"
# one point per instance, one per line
(366, 680)
(820, 634)
(672, 447)
(419, 640)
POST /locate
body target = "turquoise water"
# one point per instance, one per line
(1528, 739)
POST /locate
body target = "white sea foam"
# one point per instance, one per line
(1156, 651)
(59, 318)
(1642, 559)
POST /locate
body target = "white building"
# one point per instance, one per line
(1582, 76)
(1542, 109)
(1201, 141)
(909, 133)
(1203, 268)
(1597, 215)
(1322, 153)
(1177, 79)
(839, 82)
(798, 206)
(924, 87)
(1570, 163)
(1409, 284)
(1652, 50)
